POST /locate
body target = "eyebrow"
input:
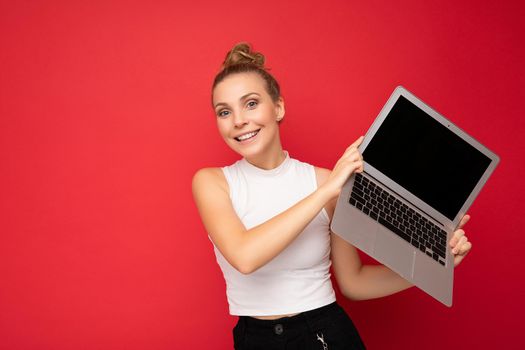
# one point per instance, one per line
(240, 99)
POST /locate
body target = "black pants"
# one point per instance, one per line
(328, 327)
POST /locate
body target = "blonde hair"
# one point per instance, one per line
(242, 59)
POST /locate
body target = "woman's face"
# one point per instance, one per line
(246, 114)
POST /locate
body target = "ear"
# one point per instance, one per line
(279, 109)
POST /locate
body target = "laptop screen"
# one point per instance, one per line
(426, 158)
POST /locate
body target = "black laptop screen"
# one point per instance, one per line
(426, 158)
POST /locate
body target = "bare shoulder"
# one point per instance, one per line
(322, 175)
(218, 215)
(209, 177)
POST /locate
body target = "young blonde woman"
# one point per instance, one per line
(268, 216)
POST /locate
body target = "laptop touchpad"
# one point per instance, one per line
(394, 252)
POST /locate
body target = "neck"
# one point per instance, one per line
(268, 160)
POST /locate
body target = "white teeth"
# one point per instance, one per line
(247, 136)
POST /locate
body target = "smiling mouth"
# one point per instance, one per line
(247, 136)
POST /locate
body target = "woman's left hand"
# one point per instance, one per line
(459, 242)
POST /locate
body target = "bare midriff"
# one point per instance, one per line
(273, 317)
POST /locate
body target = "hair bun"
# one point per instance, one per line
(242, 53)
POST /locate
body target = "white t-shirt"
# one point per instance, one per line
(296, 280)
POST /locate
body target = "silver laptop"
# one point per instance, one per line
(421, 174)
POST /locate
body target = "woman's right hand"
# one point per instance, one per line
(351, 162)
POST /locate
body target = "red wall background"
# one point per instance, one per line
(105, 116)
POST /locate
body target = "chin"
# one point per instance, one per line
(250, 151)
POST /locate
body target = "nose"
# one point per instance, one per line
(239, 120)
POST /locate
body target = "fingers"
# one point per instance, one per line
(461, 250)
(354, 156)
(459, 243)
(351, 161)
(456, 237)
(457, 248)
(352, 149)
(357, 142)
(463, 221)
(464, 248)
(358, 166)
(355, 160)
(458, 259)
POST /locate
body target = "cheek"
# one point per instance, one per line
(266, 115)
(224, 131)
(221, 129)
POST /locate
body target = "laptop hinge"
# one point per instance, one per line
(406, 200)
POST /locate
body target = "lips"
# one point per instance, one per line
(247, 136)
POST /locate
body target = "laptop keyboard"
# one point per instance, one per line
(399, 218)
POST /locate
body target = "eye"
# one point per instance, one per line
(252, 103)
(223, 113)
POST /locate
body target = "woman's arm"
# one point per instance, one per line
(360, 282)
(355, 280)
(248, 250)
